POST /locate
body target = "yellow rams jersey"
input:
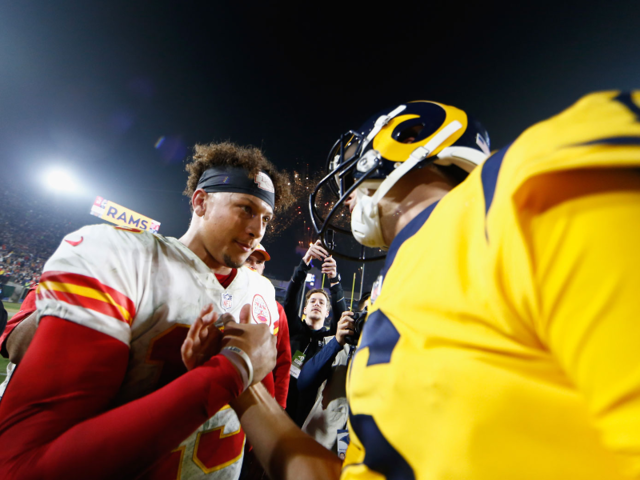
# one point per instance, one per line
(505, 341)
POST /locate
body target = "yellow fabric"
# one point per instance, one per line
(519, 329)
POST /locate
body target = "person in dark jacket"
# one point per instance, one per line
(307, 334)
(325, 376)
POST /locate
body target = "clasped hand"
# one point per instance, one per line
(211, 332)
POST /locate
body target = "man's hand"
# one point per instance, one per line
(255, 340)
(315, 251)
(20, 338)
(330, 268)
(203, 340)
(345, 327)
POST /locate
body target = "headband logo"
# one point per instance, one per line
(264, 182)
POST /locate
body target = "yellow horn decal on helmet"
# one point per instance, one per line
(395, 151)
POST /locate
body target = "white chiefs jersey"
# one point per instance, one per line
(146, 290)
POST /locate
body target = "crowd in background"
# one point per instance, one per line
(30, 231)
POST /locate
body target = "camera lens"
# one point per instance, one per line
(358, 323)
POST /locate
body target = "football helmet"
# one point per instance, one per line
(387, 147)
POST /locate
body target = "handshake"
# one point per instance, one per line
(251, 348)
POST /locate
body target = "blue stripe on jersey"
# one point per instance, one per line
(622, 141)
(380, 336)
(379, 454)
(405, 234)
(626, 99)
(489, 176)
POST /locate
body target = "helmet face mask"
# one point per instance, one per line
(345, 149)
(387, 147)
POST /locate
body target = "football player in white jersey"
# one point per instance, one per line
(128, 375)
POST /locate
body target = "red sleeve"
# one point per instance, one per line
(283, 362)
(27, 308)
(55, 420)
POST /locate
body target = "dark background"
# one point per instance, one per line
(93, 86)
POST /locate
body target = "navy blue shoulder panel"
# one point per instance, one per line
(626, 99)
(405, 234)
(489, 176)
(379, 454)
(380, 336)
(620, 141)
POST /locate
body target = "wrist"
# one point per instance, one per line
(242, 363)
(221, 379)
(239, 369)
(254, 396)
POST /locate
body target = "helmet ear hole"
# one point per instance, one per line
(409, 135)
(453, 172)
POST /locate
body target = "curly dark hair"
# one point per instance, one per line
(250, 158)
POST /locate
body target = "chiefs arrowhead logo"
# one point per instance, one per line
(76, 243)
(260, 310)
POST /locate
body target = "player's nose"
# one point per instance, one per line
(256, 227)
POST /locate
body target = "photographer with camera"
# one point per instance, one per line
(326, 374)
(307, 333)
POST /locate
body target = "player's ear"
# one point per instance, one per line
(199, 202)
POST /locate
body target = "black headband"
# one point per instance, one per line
(235, 179)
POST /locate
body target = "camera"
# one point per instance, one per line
(358, 324)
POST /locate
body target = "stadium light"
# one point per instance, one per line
(62, 181)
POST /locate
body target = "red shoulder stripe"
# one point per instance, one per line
(86, 302)
(86, 281)
(87, 292)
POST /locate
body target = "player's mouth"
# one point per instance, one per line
(245, 247)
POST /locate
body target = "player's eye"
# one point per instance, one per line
(247, 209)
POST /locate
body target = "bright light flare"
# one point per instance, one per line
(62, 181)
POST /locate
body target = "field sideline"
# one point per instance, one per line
(12, 309)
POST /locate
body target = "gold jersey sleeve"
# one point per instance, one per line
(503, 343)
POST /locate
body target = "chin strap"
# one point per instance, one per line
(380, 123)
(365, 218)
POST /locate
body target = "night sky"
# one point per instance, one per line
(93, 86)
